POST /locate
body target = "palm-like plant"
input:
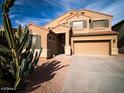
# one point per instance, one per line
(17, 58)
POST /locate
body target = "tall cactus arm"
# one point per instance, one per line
(19, 32)
(35, 61)
(10, 37)
(7, 4)
(23, 40)
(8, 29)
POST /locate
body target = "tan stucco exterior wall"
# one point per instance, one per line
(43, 33)
(49, 41)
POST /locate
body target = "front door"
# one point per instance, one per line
(61, 41)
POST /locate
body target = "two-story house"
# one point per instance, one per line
(81, 32)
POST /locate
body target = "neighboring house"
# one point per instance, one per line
(81, 32)
(1, 28)
(119, 27)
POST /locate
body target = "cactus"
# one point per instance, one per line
(20, 60)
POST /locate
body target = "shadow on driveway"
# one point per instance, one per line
(42, 74)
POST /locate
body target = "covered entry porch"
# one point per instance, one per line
(63, 36)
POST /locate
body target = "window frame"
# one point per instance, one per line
(105, 25)
(78, 27)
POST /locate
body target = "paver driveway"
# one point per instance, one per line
(97, 74)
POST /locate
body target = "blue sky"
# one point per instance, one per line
(41, 12)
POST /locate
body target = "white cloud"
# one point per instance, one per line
(116, 9)
(12, 15)
(27, 20)
(67, 4)
(21, 22)
(73, 4)
(19, 2)
(52, 3)
(97, 5)
(59, 14)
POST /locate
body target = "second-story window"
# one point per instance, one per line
(79, 24)
(100, 23)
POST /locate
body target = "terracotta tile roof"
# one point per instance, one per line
(96, 33)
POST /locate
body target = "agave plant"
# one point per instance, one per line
(17, 57)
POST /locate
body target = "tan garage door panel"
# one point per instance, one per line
(91, 48)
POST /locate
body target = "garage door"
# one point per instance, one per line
(92, 48)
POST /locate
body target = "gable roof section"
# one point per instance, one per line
(62, 17)
(60, 29)
(96, 12)
(31, 24)
(77, 15)
(69, 15)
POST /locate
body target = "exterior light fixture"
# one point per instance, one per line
(113, 40)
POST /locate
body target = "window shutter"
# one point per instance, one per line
(106, 23)
(71, 24)
(91, 24)
(34, 39)
(28, 41)
(38, 42)
(85, 23)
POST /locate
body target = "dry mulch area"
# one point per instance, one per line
(48, 77)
